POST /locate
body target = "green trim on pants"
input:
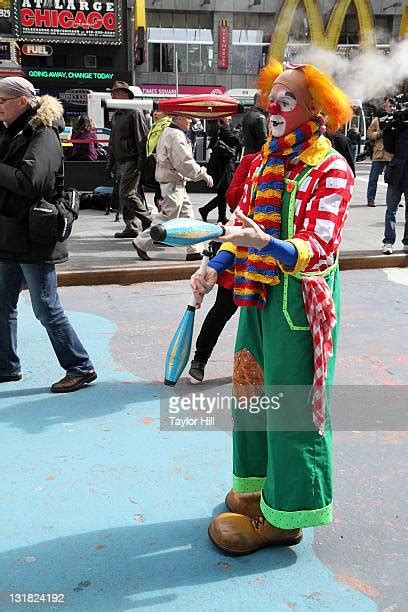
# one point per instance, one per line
(296, 463)
(298, 519)
(247, 485)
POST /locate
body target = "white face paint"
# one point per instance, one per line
(286, 114)
(286, 102)
(277, 125)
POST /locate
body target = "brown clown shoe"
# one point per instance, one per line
(247, 504)
(236, 534)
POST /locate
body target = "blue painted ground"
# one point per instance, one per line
(100, 505)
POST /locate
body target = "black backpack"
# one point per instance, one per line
(148, 173)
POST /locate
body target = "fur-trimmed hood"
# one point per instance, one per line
(49, 112)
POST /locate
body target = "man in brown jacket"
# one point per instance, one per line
(380, 155)
(127, 152)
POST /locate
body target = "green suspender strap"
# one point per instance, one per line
(288, 216)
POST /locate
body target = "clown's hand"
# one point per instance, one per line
(202, 284)
(248, 234)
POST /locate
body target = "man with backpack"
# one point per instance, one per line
(160, 122)
(175, 166)
(30, 158)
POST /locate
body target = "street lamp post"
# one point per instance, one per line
(393, 5)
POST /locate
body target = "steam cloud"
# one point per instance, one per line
(368, 75)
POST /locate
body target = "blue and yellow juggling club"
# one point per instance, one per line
(179, 350)
(182, 232)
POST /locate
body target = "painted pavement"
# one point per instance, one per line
(100, 505)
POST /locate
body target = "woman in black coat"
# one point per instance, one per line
(30, 163)
(342, 144)
(221, 167)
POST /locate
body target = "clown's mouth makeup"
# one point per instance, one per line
(278, 125)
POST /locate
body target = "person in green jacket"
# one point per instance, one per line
(160, 121)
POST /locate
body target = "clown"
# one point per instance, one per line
(286, 282)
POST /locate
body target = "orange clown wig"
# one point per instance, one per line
(325, 94)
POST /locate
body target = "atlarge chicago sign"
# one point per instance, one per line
(69, 21)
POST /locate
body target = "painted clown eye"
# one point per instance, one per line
(287, 103)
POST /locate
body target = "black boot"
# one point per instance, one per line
(196, 370)
(128, 232)
(204, 213)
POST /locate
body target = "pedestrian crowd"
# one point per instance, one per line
(227, 145)
(159, 156)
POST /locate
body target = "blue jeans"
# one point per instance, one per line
(42, 285)
(377, 168)
(393, 199)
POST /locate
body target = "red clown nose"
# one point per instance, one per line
(274, 108)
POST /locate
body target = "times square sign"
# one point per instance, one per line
(98, 22)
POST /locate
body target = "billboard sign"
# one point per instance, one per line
(68, 21)
(37, 50)
(74, 74)
(5, 17)
(223, 34)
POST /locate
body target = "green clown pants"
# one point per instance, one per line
(279, 451)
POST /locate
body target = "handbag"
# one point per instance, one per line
(224, 151)
(50, 222)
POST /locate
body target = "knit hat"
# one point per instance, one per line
(15, 87)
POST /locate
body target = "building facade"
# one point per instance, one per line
(223, 43)
(69, 47)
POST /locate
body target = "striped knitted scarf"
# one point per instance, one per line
(254, 272)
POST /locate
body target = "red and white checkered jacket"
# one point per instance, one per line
(320, 213)
(321, 206)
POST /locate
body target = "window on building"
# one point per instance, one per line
(299, 29)
(350, 32)
(171, 36)
(251, 36)
(383, 29)
(299, 34)
(249, 51)
(105, 62)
